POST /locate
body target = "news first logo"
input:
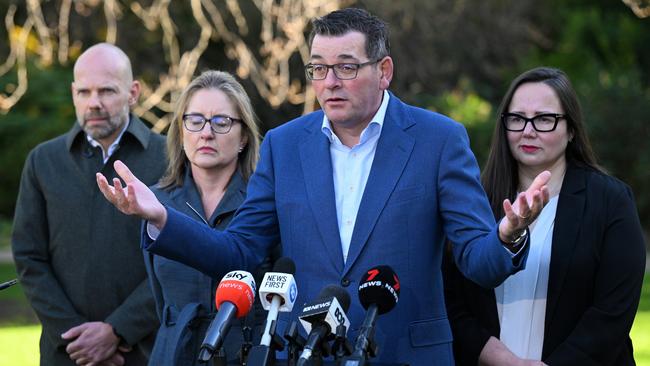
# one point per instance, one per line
(278, 284)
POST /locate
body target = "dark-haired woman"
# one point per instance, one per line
(575, 302)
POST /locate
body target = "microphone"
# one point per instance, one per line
(234, 299)
(278, 292)
(378, 294)
(321, 318)
(7, 284)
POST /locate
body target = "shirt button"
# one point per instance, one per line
(345, 282)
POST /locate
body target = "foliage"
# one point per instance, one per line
(44, 111)
(603, 48)
(5, 234)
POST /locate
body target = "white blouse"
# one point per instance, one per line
(521, 298)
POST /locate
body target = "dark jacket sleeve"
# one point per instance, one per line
(31, 253)
(470, 335)
(136, 317)
(617, 288)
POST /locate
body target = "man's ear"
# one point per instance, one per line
(386, 67)
(134, 93)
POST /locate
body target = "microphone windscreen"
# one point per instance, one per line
(379, 286)
(338, 292)
(238, 288)
(284, 265)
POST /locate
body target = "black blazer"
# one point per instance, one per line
(596, 273)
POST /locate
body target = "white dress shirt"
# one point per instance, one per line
(521, 298)
(351, 168)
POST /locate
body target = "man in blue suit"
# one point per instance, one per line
(367, 180)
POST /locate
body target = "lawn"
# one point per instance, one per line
(19, 333)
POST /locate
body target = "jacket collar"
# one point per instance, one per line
(136, 128)
(393, 151)
(188, 200)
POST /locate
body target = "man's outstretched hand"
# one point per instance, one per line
(526, 208)
(133, 199)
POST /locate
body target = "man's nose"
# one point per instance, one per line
(331, 80)
(94, 101)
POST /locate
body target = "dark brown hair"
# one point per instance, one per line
(500, 176)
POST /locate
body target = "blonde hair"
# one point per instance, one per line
(226, 83)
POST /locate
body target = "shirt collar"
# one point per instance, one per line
(377, 120)
(112, 146)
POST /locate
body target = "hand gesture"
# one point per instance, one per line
(527, 206)
(134, 199)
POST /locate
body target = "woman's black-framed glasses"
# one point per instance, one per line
(195, 122)
(545, 122)
(343, 71)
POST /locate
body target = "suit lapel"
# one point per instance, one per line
(570, 208)
(317, 169)
(393, 151)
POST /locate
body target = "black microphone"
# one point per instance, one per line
(278, 292)
(7, 284)
(321, 318)
(234, 299)
(378, 294)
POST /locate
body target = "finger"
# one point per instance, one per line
(77, 354)
(81, 361)
(120, 194)
(102, 183)
(117, 359)
(523, 209)
(125, 348)
(73, 332)
(124, 172)
(540, 180)
(512, 217)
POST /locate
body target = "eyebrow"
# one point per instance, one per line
(342, 57)
(535, 113)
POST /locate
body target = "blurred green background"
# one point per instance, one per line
(455, 57)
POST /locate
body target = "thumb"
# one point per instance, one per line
(124, 172)
(73, 332)
(540, 180)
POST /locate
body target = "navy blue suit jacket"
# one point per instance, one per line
(423, 186)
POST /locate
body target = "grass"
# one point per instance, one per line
(19, 345)
(5, 233)
(19, 334)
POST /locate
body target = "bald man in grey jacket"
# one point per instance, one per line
(78, 258)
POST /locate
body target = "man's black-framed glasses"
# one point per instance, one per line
(343, 71)
(195, 122)
(545, 122)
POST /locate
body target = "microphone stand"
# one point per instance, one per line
(296, 343)
(218, 358)
(265, 355)
(341, 346)
(365, 347)
(247, 344)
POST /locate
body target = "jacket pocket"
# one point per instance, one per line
(430, 332)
